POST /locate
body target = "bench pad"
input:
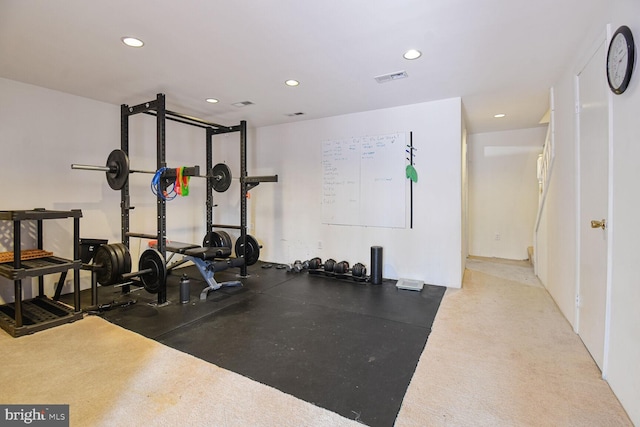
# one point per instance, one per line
(207, 253)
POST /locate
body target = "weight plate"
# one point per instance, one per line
(155, 279)
(224, 238)
(126, 264)
(119, 254)
(220, 177)
(252, 249)
(107, 273)
(118, 163)
(117, 264)
(217, 239)
(212, 240)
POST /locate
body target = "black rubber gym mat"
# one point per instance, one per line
(385, 301)
(348, 347)
(356, 365)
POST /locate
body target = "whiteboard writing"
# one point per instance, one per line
(363, 181)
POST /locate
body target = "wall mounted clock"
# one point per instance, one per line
(620, 60)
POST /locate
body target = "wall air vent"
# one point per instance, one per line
(391, 76)
(242, 104)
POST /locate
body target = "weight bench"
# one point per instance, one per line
(209, 261)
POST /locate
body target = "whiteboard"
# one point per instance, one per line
(364, 182)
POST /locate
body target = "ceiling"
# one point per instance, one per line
(499, 56)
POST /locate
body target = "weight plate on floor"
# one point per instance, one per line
(220, 177)
(118, 163)
(252, 249)
(156, 278)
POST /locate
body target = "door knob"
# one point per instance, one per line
(598, 224)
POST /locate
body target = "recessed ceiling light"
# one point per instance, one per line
(412, 54)
(292, 82)
(211, 100)
(132, 42)
(499, 116)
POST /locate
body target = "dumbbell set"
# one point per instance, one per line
(339, 270)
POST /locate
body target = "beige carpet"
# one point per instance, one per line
(500, 354)
(113, 377)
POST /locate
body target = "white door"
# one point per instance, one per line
(593, 117)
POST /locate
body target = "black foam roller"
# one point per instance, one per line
(376, 265)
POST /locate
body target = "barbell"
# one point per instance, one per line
(112, 264)
(117, 172)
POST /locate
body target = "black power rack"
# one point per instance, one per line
(157, 108)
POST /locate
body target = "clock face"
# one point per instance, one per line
(620, 60)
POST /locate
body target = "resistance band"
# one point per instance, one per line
(156, 186)
(182, 182)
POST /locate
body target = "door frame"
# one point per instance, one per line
(605, 38)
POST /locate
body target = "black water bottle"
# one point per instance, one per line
(184, 289)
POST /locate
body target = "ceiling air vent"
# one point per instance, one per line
(391, 76)
(242, 103)
(295, 114)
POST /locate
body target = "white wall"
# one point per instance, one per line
(287, 215)
(464, 161)
(503, 191)
(623, 370)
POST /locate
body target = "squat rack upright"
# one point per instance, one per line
(157, 108)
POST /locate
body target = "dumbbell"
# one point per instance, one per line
(359, 272)
(328, 266)
(298, 266)
(315, 263)
(341, 267)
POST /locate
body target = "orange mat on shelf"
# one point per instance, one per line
(25, 254)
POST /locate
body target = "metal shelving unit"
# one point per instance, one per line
(39, 313)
